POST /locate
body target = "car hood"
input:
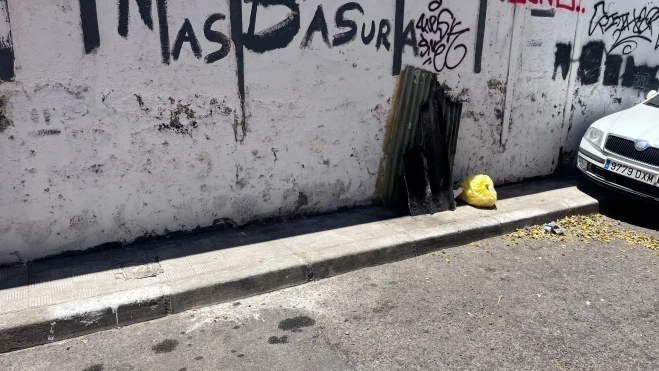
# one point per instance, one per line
(638, 122)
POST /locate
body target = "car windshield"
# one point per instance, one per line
(654, 101)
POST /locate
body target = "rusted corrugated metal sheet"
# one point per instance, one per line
(452, 111)
(402, 134)
(412, 90)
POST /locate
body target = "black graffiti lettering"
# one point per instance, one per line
(89, 21)
(402, 38)
(186, 34)
(341, 22)
(562, 59)
(641, 77)
(164, 30)
(590, 62)
(626, 29)
(409, 38)
(612, 70)
(7, 72)
(398, 36)
(216, 37)
(278, 36)
(144, 7)
(366, 39)
(439, 35)
(480, 36)
(383, 35)
(318, 24)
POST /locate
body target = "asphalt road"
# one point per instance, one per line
(488, 306)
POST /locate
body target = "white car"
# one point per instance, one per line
(621, 151)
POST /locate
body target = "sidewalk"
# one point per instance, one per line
(60, 298)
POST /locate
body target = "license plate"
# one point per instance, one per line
(631, 172)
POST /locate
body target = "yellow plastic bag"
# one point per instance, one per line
(478, 190)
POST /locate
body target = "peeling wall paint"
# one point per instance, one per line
(125, 118)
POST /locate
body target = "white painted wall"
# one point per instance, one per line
(84, 162)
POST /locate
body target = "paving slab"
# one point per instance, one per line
(64, 297)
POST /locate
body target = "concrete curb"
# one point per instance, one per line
(415, 236)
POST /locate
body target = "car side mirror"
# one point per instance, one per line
(651, 94)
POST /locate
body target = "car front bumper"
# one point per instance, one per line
(591, 162)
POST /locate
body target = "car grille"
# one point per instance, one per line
(625, 148)
(626, 182)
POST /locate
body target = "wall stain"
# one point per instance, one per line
(239, 129)
(494, 84)
(78, 92)
(165, 346)
(82, 222)
(34, 233)
(45, 132)
(221, 107)
(204, 159)
(278, 340)
(175, 124)
(47, 116)
(245, 206)
(118, 218)
(295, 324)
(225, 222)
(302, 200)
(96, 367)
(140, 102)
(34, 115)
(97, 168)
(4, 120)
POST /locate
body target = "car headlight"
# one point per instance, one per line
(594, 136)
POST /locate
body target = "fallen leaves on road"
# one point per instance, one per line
(587, 228)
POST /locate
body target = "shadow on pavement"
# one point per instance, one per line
(116, 259)
(532, 187)
(618, 206)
